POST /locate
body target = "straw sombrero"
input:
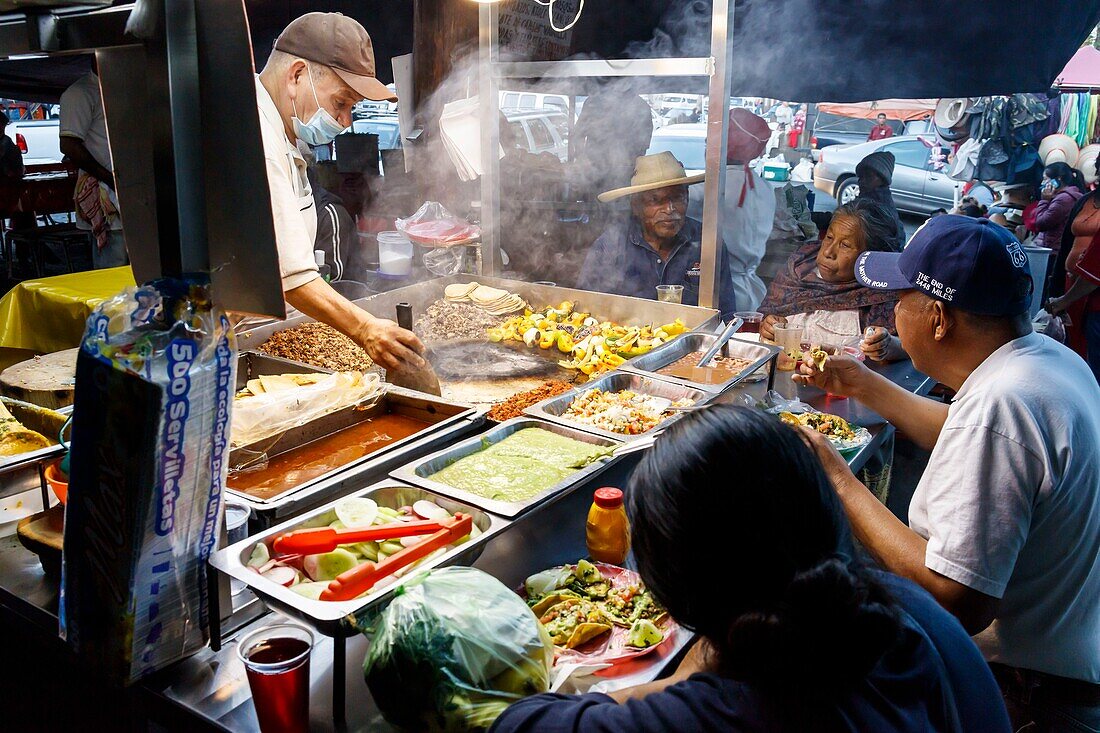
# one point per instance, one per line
(653, 171)
(1058, 148)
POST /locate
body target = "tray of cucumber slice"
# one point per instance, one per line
(292, 584)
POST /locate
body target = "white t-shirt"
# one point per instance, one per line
(1010, 505)
(292, 205)
(82, 117)
(746, 226)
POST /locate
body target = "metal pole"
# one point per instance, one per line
(721, 48)
(490, 138)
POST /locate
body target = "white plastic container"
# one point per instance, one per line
(395, 254)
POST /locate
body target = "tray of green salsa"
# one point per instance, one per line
(512, 467)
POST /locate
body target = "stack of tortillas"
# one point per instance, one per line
(493, 301)
(265, 384)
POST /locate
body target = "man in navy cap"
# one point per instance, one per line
(1004, 526)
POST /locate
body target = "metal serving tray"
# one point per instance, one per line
(619, 308)
(665, 354)
(450, 418)
(552, 409)
(336, 618)
(419, 472)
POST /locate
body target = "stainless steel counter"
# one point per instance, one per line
(209, 691)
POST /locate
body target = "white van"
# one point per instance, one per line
(38, 140)
(532, 100)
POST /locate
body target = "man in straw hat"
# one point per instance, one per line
(322, 64)
(658, 244)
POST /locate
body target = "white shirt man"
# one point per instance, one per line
(84, 141)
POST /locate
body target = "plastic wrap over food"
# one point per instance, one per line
(453, 650)
(150, 441)
(433, 225)
(258, 417)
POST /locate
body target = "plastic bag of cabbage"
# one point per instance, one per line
(453, 650)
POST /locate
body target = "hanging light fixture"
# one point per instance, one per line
(549, 5)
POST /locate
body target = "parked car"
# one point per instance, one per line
(917, 187)
(688, 142)
(369, 107)
(830, 129)
(385, 126)
(541, 130)
(532, 100)
(38, 140)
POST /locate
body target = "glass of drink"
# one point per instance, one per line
(276, 659)
(788, 338)
(751, 321)
(670, 293)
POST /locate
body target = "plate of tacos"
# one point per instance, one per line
(597, 613)
(843, 435)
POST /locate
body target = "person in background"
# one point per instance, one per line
(881, 129)
(1077, 238)
(336, 236)
(819, 290)
(969, 206)
(659, 244)
(798, 124)
(321, 66)
(1086, 279)
(748, 209)
(1059, 191)
(937, 212)
(803, 638)
(784, 116)
(875, 174)
(11, 169)
(83, 140)
(1004, 526)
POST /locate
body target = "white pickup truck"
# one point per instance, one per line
(39, 140)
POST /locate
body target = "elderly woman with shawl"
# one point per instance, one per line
(818, 290)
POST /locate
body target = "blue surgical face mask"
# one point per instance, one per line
(322, 128)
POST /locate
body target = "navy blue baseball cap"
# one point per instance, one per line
(971, 264)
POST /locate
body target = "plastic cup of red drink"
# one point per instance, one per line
(276, 659)
(750, 321)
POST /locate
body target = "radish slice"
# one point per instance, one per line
(430, 510)
(282, 575)
(410, 541)
(267, 566)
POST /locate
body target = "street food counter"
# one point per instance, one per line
(510, 536)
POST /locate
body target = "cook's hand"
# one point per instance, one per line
(391, 346)
(836, 468)
(767, 326)
(843, 376)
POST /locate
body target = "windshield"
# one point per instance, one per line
(691, 151)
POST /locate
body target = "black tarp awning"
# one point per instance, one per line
(799, 50)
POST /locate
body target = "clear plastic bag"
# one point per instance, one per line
(775, 403)
(453, 650)
(267, 415)
(433, 225)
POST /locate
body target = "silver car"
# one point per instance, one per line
(917, 187)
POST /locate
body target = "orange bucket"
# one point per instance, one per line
(57, 481)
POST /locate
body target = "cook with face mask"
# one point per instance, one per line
(322, 64)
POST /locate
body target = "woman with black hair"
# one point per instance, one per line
(1062, 186)
(796, 634)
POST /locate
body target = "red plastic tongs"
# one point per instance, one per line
(359, 579)
(326, 539)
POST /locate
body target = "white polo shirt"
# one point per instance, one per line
(292, 205)
(1010, 505)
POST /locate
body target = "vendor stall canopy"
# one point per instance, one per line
(804, 50)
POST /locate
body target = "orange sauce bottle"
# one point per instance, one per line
(607, 531)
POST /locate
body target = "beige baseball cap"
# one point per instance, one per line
(341, 44)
